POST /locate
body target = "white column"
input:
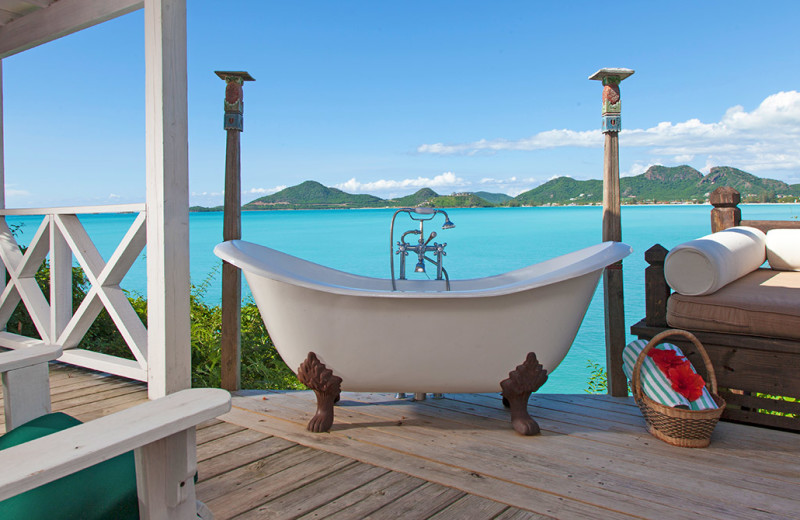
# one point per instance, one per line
(2, 174)
(2, 154)
(169, 349)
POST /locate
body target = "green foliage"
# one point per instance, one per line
(262, 367)
(102, 336)
(598, 379)
(777, 398)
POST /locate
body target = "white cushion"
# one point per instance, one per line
(783, 249)
(705, 265)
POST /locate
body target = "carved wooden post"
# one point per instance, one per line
(726, 212)
(231, 346)
(612, 228)
(656, 289)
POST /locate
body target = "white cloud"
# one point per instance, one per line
(10, 192)
(207, 194)
(511, 186)
(636, 168)
(447, 179)
(540, 141)
(761, 140)
(260, 192)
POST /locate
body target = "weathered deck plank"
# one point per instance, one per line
(210, 432)
(472, 507)
(367, 499)
(223, 444)
(594, 452)
(421, 503)
(361, 443)
(316, 494)
(257, 489)
(432, 438)
(458, 458)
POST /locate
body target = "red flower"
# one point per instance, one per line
(686, 382)
(666, 359)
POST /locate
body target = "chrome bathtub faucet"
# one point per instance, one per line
(422, 247)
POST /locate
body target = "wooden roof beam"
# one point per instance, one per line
(59, 19)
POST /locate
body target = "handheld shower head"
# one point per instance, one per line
(448, 224)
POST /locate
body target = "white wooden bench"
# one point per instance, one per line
(161, 433)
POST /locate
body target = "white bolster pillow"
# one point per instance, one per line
(783, 249)
(706, 265)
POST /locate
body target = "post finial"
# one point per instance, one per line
(234, 104)
(612, 106)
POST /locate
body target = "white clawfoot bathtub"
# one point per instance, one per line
(421, 338)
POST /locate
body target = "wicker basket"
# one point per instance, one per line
(684, 428)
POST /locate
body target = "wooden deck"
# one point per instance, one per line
(458, 458)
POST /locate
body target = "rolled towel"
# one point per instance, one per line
(655, 384)
(707, 264)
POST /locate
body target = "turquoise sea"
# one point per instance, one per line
(484, 242)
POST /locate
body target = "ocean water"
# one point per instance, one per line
(484, 242)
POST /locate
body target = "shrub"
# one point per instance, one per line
(262, 367)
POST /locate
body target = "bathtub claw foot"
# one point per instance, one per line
(314, 374)
(517, 389)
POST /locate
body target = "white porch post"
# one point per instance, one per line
(169, 367)
(2, 154)
(2, 173)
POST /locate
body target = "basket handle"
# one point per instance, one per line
(659, 338)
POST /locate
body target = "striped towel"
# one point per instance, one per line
(655, 383)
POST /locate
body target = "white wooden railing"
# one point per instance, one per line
(61, 235)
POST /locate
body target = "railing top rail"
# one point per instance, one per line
(76, 210)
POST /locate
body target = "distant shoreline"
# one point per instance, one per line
(250, 210)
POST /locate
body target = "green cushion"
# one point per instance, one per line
(105, 490)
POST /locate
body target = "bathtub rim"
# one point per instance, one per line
(297, 271)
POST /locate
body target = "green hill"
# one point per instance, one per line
(661, 184)
(747, 184)
(469, 200)
(311, 194)
(494, 198)
(415, 199)
(658, 184)
(563, 190)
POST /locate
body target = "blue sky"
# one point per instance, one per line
(388, 97)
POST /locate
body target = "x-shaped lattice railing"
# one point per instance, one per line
(62, 235)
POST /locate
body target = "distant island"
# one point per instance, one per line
(658, 185)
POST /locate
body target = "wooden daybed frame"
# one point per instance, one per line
(745, 365)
